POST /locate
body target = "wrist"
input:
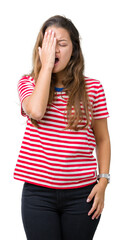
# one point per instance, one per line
(104, 175)
(45, 73)
(103, 182)
(46, 69)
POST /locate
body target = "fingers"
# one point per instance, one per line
(98, 212)
(98, 203)
(47, 52)
(99, 208)
(94, 207)
(44, 40)
(54, 41)
(48, 39)
(91, 195)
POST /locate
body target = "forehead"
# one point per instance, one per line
(60, 33)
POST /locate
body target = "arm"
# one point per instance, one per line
(103, 153)
(101, 133)
(35, 105)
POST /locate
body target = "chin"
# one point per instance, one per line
(57, 69)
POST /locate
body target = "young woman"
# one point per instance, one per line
(62, 197)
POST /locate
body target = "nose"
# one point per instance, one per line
(57, 48)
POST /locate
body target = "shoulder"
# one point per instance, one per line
(91, 82)
(93, 86)
(26, 79)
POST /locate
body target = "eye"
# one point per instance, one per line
(62, 45)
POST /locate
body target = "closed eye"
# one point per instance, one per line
(62, 45)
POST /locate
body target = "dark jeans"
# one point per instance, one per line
(57, 214)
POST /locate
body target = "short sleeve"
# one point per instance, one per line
(25, 88)
(100, 110)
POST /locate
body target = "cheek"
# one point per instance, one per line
(67, 54)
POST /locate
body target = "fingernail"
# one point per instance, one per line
(88, 200)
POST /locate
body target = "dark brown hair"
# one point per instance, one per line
(73, 82)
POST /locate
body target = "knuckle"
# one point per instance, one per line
(95, 204)
(97, 198)
(97, 211)
(93, 209)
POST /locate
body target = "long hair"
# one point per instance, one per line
(73, 81)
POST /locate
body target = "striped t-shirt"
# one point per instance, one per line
(51, 156)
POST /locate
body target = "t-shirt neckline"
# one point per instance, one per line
(59, 89)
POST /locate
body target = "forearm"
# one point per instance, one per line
(40, 95)
(103, 152)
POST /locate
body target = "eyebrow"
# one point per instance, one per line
(62, 40)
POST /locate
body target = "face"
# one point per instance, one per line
(63, 49)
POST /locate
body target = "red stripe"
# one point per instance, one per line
(46, 181)
(45, 185)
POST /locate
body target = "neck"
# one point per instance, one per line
(59, 79)
(58, 85)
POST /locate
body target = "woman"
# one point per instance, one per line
(66, 119)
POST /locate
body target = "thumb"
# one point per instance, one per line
(91, 195)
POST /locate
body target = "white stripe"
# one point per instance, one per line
(57, 185)
(65, 133)
(45, 142)
(101, 112)
(59, 144)
(100, 117)
(54, 181)
(89, 157)
(88, 173)
(99, 107)
(31, 138)
(54, 151)
(64, 167)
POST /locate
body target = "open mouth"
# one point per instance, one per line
(56, 60)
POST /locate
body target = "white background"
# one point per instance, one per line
(100, 24)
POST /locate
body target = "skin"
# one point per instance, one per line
(61, 44)
(103, 152)
(51, 47)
